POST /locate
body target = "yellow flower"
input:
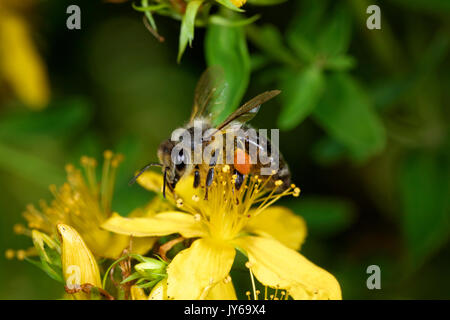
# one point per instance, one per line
(78, 263)
(84, 204)
(238, 3)
(267, 235)
(20, 64)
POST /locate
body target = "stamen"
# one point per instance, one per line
(10, 254)
(20, 229)
(248, 265)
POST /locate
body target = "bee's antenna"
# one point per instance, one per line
(164, 183)
(133, 180)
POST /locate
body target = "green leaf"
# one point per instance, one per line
(265, 2)
(187, 26)
(301, 93)
(303, 31)
(340, 63)
(424, 182)
(335, 38)
(222, 21)
(324, 216)
(269, 39)
(347, 114)
(229, 5)
(226, 47)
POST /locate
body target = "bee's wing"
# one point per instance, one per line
(247, 111)
(209, 94)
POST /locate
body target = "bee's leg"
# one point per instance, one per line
(196, 177)
(210, 175)
(171, 187)
(239, 179)
(209, 180)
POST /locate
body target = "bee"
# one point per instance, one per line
(175, 156)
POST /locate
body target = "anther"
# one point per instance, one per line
(226, 168)
(296, 192)
(108, 154)
(21, 254)
(70, 168)
(278, 183)
(195, 198)
(9, 254)
(19, 228)
(179, 203)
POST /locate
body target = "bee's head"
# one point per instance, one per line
(174, 159)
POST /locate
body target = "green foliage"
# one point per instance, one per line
(187, 26)
(325, 216)
(49, 252)
(366, 110)
(424, 182)
(226, 47)
(301, 94)
(348, 116)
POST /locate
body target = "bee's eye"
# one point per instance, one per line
(180, 161)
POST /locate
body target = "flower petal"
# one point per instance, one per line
(275, 265)
(280, 223)
(161, 224)
(20, 63)
(195, 270)
(222, 291)
(78, 263)
(151, 181)
(138, 293)
(159, 291)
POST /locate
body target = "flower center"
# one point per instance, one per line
(227, 210)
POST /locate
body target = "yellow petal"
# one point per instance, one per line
(275, 265)
(138, 293)
(194, 271)
(159, 291)
(20, 64)
(159, 225)
(151, 181)
(78, 263)
(112, 245)
(279, 223)
(224, 290)
(156, 205)
(238, 3)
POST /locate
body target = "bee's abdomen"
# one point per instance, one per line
(273, 155)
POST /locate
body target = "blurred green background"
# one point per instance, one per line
(364, 117)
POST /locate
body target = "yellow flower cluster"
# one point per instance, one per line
(246, 220)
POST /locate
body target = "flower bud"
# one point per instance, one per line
(78, 263)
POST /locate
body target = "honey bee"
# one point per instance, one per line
(176, 154)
